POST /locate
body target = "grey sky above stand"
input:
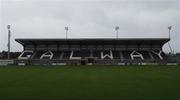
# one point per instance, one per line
(89, 19)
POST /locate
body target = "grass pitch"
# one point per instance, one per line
(90, 83)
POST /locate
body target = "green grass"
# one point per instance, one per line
(90, 83)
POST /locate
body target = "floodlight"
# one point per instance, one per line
(117, 28)
(8, 26)
(66, 28)
(170, 27)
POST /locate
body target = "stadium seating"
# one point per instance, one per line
(126, 55)
(145, 54)
(56, 55)
(66, 54)
(116, 54)
(38, 54)
(95, 56)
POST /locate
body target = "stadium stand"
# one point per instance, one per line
(92, 51)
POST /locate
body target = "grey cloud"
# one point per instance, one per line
(89, 18)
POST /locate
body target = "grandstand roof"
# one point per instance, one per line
(93, 41)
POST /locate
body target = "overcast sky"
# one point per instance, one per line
(89, 19)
